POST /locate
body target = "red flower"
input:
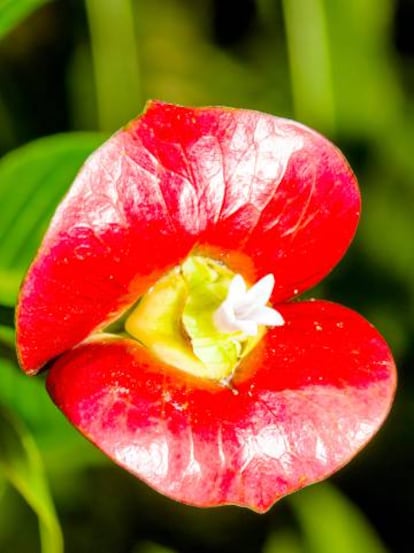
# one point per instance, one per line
(168, 211)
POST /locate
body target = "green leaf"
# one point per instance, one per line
(14, 11)
(21, 464)
(386, 226)
(339, 61)
(64, 449)
(9, 284)
(310, 62)
(28, 398)
(283, 541)
(33, 180)
(367, 95)
(330, 522)
(2, 487)
(116, 69)
(174, 36)
(7, 336)
(150, 547)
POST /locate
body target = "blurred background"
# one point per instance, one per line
(71, 73)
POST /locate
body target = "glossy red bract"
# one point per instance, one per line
(264, 195)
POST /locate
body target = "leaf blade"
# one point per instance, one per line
(330, 522)
(43, 170)
(12, 12)
(21, 463)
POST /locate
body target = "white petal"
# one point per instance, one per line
(260, 292)
(248, 327)
(243, 310)
(237, 290)
(267, 316)
(224, 318)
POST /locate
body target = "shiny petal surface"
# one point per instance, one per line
(264, 194)
(256, 186)
(302, 404)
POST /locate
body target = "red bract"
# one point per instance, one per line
(261, 195)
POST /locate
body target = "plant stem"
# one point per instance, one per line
(115, 60)
(310, 64)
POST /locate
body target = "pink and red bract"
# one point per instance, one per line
(262, 195)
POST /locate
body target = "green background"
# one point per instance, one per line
(71, 73)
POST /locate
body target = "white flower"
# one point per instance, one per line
(244, 310)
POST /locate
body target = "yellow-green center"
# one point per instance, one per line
(176, 321)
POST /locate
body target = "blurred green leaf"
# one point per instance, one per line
(33, 180)
(393, 325)
(310, 62)
(150, 547)
(7, 335)
(22, 465)
(341, 67)
(330, 522)
(28, 398)
(64, 448)
(181, 63)
(283, 541)
(14, 11)
(7, 346)
(116, 64)
(2, 486)
(366, 91)
(9, 284)
(172, 37)
(388, 225)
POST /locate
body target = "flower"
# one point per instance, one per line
(245, 310)
(216, 390)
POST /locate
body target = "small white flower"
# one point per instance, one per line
(244, 310)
